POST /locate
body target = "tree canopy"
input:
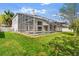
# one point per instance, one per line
(69, 11)
(75, 26)
(7, 17)
(1, 19)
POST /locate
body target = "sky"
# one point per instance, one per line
(48, 10)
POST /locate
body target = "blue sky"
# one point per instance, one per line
(49, 10)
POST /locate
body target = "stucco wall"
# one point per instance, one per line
(66, 30)
(19, 23)
(15, 24)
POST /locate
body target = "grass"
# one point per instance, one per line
(47, 38)
(14, 44)
(17, 44)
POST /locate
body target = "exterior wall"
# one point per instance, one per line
(6, 29)
(44, 23)
(15, 24)
(58, 28)
(21, 24)
(66, 30)
(27, 24)
(37, 23)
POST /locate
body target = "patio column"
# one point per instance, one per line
(34, 25)
(49, 28)
(28, 26)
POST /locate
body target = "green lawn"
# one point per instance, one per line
(13, 44)
(47, 38)
(17, 44)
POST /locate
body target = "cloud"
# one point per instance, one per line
(54, 15)
(29, 10)
(23, 10)
(78, 13)
(42, 11)
(57, 14)
(45, 4)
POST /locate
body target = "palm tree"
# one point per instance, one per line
(7, 16)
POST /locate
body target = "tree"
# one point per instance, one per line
(69, 12)
(7, 16)
(75, 26)
(1, 20)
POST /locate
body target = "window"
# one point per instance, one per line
(26, 28)
(46, 28)
(31, 22)
(39, 23)
(26, 19)
(39, 28)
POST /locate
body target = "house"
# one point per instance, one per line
(5, 28)
(33, 24)
(65, 27)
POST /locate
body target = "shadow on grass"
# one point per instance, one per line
(68, 33)
(2, 35)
